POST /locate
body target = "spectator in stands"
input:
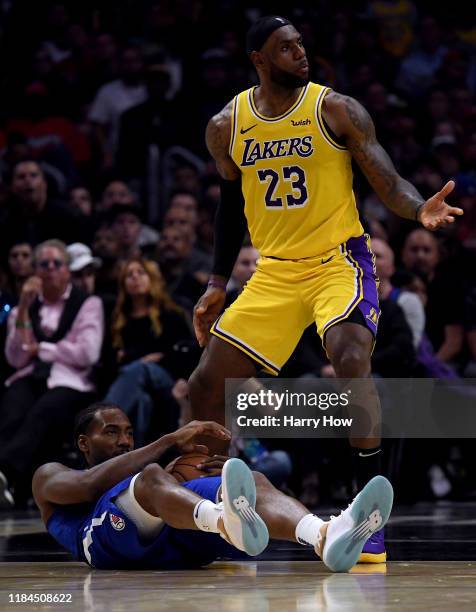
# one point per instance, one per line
(243, 270)
(32, 215)
(394, 353)
(105, 246)
(115, 98)
(115, 192)
(410, 304)
(174, 257)
(20, 267)
(118, 193)
(146, 326)
(444, 311)
(428, 364)
(83, 266)
(80, 198)
(418, 69)
(54, 339)
(186, 201)
(126, 223)
(152, 124)
(181, 216)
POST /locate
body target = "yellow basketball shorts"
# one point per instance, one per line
(283, 297)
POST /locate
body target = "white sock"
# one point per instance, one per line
(206, 515)
(307, 530)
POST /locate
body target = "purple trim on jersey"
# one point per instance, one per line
(359, 251)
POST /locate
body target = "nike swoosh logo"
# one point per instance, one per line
(323, 261)
(197, 509)
(242, 131)
(369, 454)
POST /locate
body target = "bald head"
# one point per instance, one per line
(420, 252)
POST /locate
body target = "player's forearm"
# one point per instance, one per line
(230, 229)
(102, 477)
(358, 128)
(402, 198)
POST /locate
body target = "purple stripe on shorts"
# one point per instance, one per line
(359, 251)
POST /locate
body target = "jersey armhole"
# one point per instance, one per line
(326, 132)
(234, 113)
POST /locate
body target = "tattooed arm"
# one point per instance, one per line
(217, 137)
(230, 225)
(348, 118)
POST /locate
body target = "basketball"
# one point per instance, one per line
(185, 467)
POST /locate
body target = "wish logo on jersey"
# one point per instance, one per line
(271, 149)
(117, 522)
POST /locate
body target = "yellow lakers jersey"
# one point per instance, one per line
(296, 180)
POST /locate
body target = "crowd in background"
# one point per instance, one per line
(107, 200)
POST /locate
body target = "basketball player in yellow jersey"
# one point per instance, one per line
(286, 147)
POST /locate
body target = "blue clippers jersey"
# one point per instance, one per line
(66, 526)
(105, 538)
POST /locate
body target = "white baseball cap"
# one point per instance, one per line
(80, 256)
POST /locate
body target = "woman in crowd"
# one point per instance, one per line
(147, 327)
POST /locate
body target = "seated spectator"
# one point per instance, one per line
(410, 304)
(174, 257)
(31, 215)
(146, 326)
(115, 192)
(126, 223)
(444, 311)
(187, 202)
(394, 355)
(186, 220)
(428, 364)
(106, 247)
(154, 124)
(113, 99)
(243, 270)
(118, 193)
(81, 199)
(54, 339)
(83, 266)
(20, 267)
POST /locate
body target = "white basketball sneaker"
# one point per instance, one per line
(245, 529)
(347, 533)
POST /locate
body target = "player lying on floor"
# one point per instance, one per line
(125, 512)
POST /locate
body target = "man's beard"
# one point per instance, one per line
(287, 79)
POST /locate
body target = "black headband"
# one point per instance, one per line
(262, 29)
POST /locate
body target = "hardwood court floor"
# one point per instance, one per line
(432, 548)
(263, 586)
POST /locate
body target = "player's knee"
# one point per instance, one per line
(352, 361)
(154, 475)
(201, 380)
(261, 480)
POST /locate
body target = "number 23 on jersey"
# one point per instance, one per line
(295, 176)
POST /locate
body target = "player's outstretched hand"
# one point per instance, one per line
(212, 466)
(436, 212)
(182, 438)
(206, 312)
